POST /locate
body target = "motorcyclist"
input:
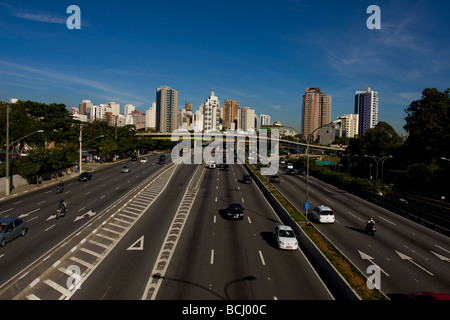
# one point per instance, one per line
(62, 206)
(61, 186)
(370, 224)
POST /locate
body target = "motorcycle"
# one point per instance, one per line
(370, 228)
(59, 189)
(60, 212)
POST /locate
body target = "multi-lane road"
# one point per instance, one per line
(410, 256)
(160, 233)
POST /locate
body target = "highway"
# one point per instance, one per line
(27, 257)
(411, 257)
(122, 229)
(224, 259)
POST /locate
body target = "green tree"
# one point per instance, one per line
(428, 126)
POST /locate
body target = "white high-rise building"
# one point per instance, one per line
(211, 113)
(264, 120)
(366, 107)
(247, 119)
(115, 108)
(349, 124)
(128, 109)
(150, 117)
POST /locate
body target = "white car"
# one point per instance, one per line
(290, 166)
(285, 237)
(323, 214)
(144, 160)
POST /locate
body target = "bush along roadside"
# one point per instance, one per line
(356, 279)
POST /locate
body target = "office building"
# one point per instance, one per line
(366, 107)
(316, 112)
(166, 109)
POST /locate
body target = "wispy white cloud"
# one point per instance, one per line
(55, 78)
(39, 16)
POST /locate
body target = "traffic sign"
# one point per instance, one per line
(307, 205)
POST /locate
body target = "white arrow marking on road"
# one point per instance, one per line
(85, 215)
(405, 257)
(443, 258)
(139, 242)
(27, 214)
(365, 256)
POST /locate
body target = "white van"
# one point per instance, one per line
(323, 214)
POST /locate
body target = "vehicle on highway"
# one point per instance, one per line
(212, 164)
(247, 178)
(370, 227)
(302, 171)
(235, 211)
(290, 166)
(85, 176)
(133, 157)
(126, 169)
(225, 167)
(162, 159)
(290, 172)
(144, 160)
(323, 214)
(11, 228)
(275, 178)
(285, 237)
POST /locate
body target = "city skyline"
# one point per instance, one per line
(264, 60)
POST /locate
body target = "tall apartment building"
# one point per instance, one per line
(349, 125)
(366, 107)
(150, 117)
(166, 109)
(211, 113)
(247, 119)
(316, 112)
(264, 120)
(83, 106)
(115, 108)
(230, 114)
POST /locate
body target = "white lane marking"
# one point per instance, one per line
(262, 258)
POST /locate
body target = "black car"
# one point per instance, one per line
(133, 157)
(275, 178)
(85, 176)
(225, 167)
(235, 211)
(162, 160)
(247, 178)
(290, 171)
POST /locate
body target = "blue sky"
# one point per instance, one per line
(261, 53)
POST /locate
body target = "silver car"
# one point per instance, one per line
(11, 228)
(126, 169)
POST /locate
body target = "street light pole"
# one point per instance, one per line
(8, 145)
(307, 165)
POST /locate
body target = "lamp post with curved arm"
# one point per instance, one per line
(7, 182)
(307, 165)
